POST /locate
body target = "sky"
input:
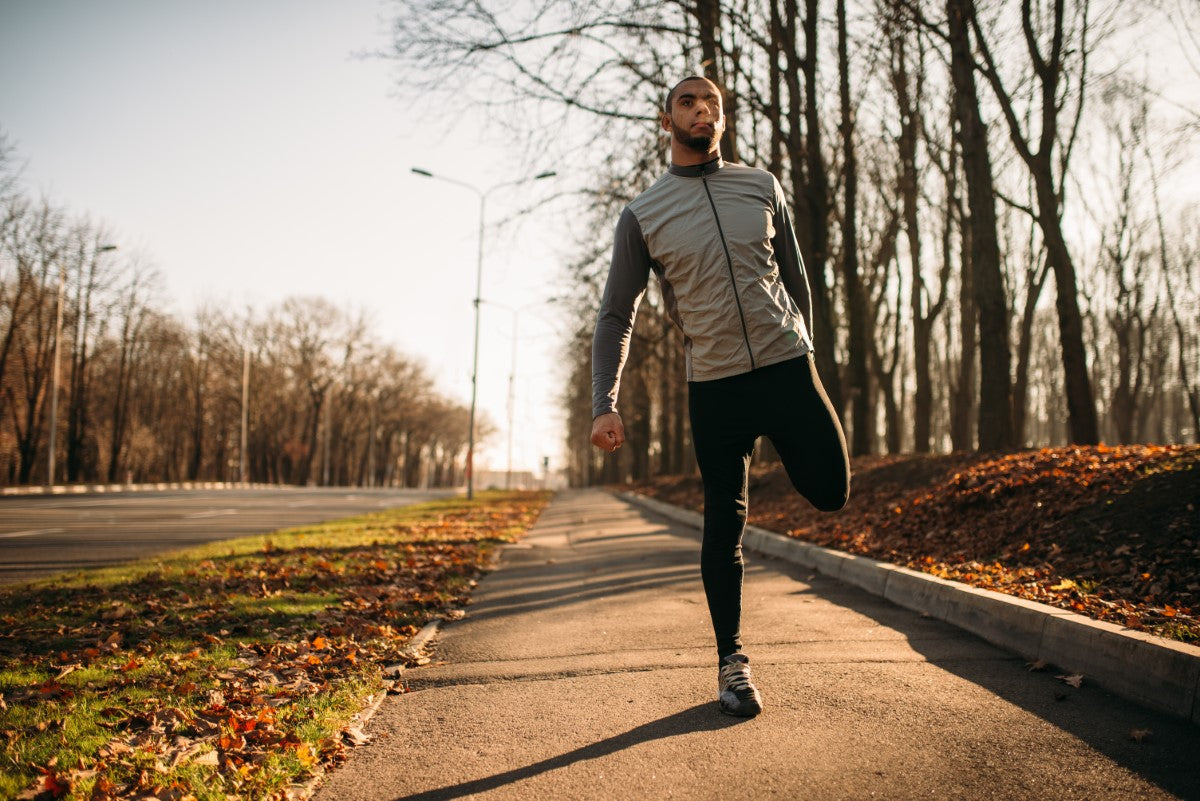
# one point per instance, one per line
(251, 153)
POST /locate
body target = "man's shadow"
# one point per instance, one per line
(702, 717)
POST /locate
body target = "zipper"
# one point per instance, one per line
(729, 263)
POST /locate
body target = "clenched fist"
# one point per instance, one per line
(608, 433)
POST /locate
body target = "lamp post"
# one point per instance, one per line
(483, 194)
(58, 320)
(245, 411)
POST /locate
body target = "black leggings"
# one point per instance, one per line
(786, 403)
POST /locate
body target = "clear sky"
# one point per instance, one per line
(245, 150)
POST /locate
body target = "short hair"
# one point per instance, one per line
(675, 88)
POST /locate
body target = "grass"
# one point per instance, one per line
(231, 668)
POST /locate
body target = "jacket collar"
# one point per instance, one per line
(698, 170)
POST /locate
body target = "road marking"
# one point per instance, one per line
(31, 533)
(212, 513)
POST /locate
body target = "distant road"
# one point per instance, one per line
(45, 534)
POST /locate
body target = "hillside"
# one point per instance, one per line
(1109, 532)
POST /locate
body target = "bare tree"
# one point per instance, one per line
(908, 87)
(995, 393)
(135, 307)
(1060, 74)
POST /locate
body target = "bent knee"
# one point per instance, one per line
(830, 502)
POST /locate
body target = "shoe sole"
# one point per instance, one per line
(735, 714)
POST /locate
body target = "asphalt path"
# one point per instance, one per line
(45, 534)
(585, 670)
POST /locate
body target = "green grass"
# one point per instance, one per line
(125, 681)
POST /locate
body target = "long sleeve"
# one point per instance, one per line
(791, 264)
(627, 277)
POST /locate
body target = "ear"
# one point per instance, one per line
(665, 120)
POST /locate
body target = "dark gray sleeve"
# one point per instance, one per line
(791, 264)
(627, 277)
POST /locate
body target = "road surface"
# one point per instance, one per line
(45, 534)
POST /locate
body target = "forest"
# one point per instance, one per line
(990, 198)
(97, 371)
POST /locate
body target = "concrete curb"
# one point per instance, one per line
(83, 489)
(420, 641)
(1153, 671)
(415, 648)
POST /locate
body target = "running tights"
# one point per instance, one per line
(786, 403)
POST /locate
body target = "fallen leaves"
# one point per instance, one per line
(1107, 532)
(210, 670)
(355, 736)
(1073, 679)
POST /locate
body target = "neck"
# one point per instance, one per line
(684, 156)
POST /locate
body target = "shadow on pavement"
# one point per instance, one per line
(694, 719)
(573, 586)
(1101, 720)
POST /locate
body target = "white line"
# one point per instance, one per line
(213, 513)
(11, 534)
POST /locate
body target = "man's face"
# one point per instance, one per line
(696, 119)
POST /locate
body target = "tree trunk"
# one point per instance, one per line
(120, 408)
(1049, 74)
(863, 429)
(924, 312)
(80, 459)
(1037, 280)
(708, 25)
(995, 388)
(1081, 407)
(810, 189)
(962, 435)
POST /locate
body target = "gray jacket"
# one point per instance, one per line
(720, 240)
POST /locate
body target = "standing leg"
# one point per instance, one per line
(806, 432)
(723, 451)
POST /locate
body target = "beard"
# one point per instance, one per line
(701, 144)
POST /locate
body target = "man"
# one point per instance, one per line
(720, 240)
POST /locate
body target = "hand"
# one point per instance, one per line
(608, 433)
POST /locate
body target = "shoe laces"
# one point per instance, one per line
(736, 676)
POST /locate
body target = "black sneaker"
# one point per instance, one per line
(736, 694)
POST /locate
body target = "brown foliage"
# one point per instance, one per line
(1109, 532)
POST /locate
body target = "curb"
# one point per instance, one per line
(415, 648)
(83, 489)
(1149, 670)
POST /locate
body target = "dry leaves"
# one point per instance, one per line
(1108, 532)
(271, 641)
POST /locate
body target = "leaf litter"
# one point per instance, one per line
(232, 670)
(1112, 533)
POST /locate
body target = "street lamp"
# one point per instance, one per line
(245, 411)
(482, 193)
(58, 319)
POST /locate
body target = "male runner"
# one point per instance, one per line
(720, 240)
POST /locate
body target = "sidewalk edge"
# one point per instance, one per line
(1150, 670)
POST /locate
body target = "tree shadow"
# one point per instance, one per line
(694, 719)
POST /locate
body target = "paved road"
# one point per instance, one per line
(45, 534)
(585, 671)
